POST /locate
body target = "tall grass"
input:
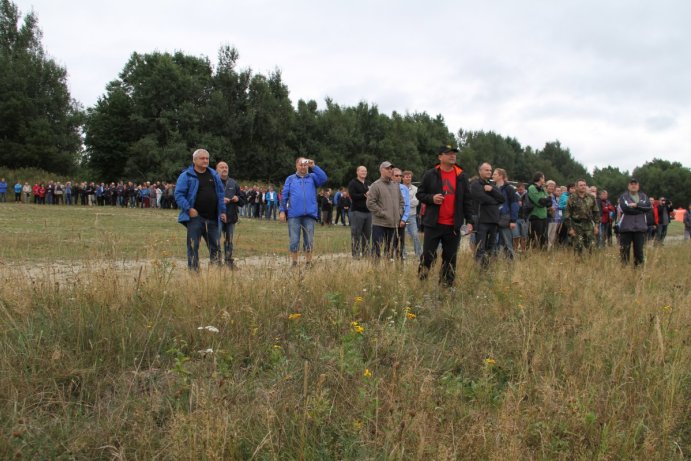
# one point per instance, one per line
(546, 358)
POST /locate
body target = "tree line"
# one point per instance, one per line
(163, 105)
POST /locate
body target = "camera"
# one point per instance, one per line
(305, 161)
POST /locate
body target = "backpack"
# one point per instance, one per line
(527, 206)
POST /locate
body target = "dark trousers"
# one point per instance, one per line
(485, 239)
(198, 228)
(399, 243)
(450, 241)
(538, 232)
(383, 237)
(228, 230)
(360, 232)
(638, 240)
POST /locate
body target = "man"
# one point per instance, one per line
(488, 199)
(580, 216)
(386, 203)
(327, 207)
(271, 203)
(199, 194)
(337, 205)
(26, 192)
(233, 198)
(606, 213)
(446, 199)
(399, 239)
(520, 232)
(634, 205)
(537, 200)
(554, 214)
(664, 209)
(508, 213)
(412, 224)
(299, 206)
(18, 192)
(3, 190)
(360, 216)
(687, 223)
(345, 204)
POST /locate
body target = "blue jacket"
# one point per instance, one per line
(186, 192)
(406, 199)
(510, 205)
(299, 196)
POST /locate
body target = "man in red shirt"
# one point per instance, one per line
(446, 203)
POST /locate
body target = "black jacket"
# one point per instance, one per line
(231, 190)
(431, 185)
(357, 191)
(488, 203)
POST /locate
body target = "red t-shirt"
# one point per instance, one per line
(448, 187)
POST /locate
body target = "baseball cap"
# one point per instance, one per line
(386, 165)
(446, 148)
(633, 180)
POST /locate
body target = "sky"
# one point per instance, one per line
(611, 80)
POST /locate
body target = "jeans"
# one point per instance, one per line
(304, 225)
(411, 229)
(360, 232)
(198, 228)
(450, 241)
(228, 229)
(506, 241)
(271, 211)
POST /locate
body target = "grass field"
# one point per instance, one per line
(546, 358)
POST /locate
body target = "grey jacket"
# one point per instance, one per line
(633, 218)
(386, 203)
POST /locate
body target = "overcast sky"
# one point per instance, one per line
(611, 80)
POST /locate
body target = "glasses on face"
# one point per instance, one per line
(398, 175)
(388, 168)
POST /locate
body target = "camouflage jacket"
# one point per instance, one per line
(581, 209)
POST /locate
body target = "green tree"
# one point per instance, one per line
(661, 178)
(612, 180)
(39, 121)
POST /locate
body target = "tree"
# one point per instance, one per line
(612, 180)
(661, 178)
(39, 121)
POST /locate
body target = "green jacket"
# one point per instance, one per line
(535, 195)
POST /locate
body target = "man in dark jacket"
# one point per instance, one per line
(360, 216)
(633, 226)
(444, 194)
(234, 198)
(489, 200)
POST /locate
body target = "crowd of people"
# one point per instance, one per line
(500, 218)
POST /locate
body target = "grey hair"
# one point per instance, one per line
(196, 153)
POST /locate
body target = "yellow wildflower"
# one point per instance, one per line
(294, 316)
(359, 299)
(667, 308)
(277, 347)
(367, 373)
(489, 361)
(410, 315)
(357, 424)
(358, 329)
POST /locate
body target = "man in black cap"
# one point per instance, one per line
(634, 205)
(444, 194)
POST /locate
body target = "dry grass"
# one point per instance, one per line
(576, 360)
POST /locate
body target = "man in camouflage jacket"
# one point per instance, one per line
(580, 215)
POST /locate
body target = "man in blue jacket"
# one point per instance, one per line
(199, 194)
(299, 206)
